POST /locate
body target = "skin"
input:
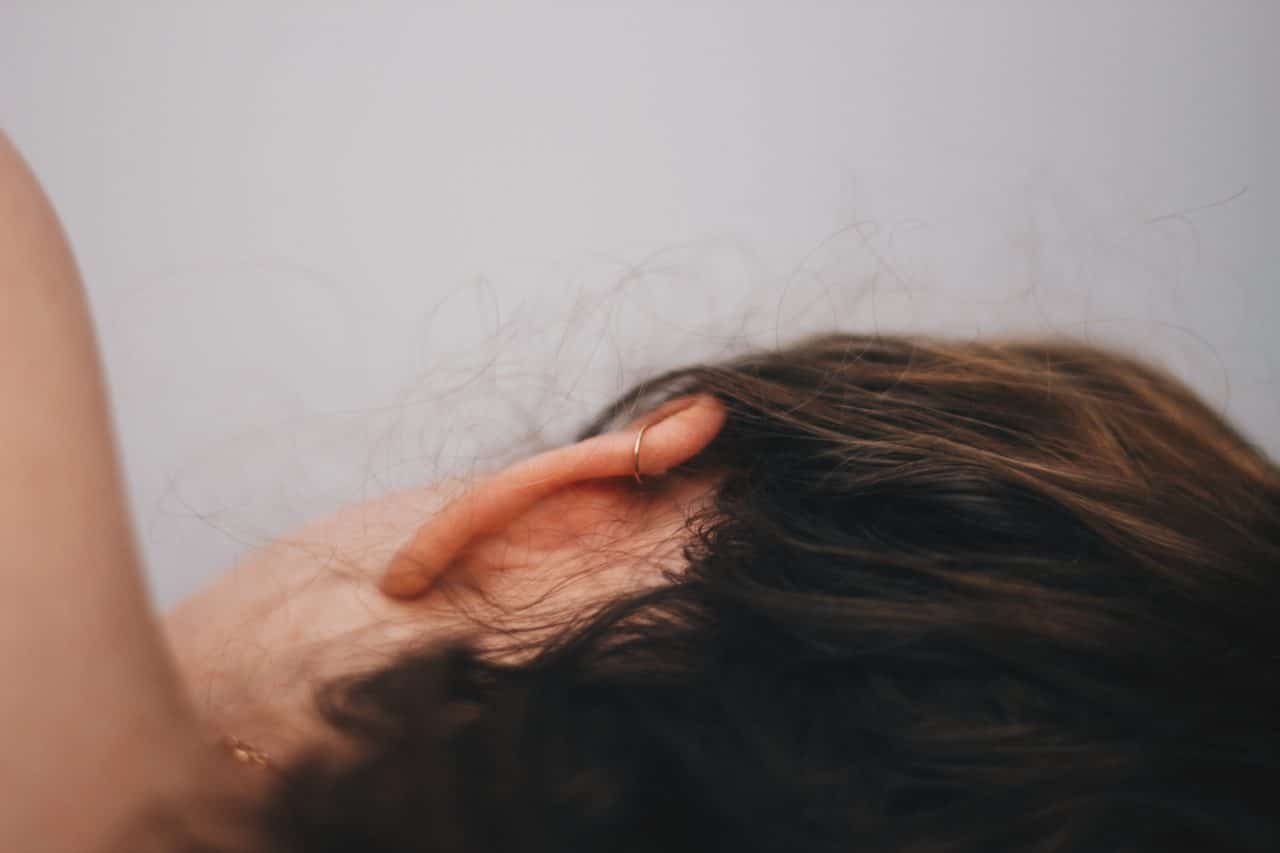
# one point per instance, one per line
(308, 608)
(109, 708)
(69, 580)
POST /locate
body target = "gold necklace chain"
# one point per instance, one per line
(246, 754)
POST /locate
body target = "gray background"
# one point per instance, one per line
(339, 248)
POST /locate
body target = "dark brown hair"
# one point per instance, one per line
(950, 597)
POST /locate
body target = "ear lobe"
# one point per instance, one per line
(673, 434)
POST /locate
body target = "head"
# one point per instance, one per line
(907, 595)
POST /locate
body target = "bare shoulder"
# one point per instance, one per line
(89, 680)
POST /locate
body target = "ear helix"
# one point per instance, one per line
(663, 439)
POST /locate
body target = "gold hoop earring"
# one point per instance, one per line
(635, 462)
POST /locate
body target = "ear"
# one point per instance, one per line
(673, 434)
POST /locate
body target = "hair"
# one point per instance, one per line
(948, 596)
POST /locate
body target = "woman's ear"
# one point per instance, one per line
(672, 434)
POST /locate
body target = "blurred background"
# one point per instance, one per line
(335, 249)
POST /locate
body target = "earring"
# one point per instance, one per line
(635, 462)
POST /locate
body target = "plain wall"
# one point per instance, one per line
(339, 248)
